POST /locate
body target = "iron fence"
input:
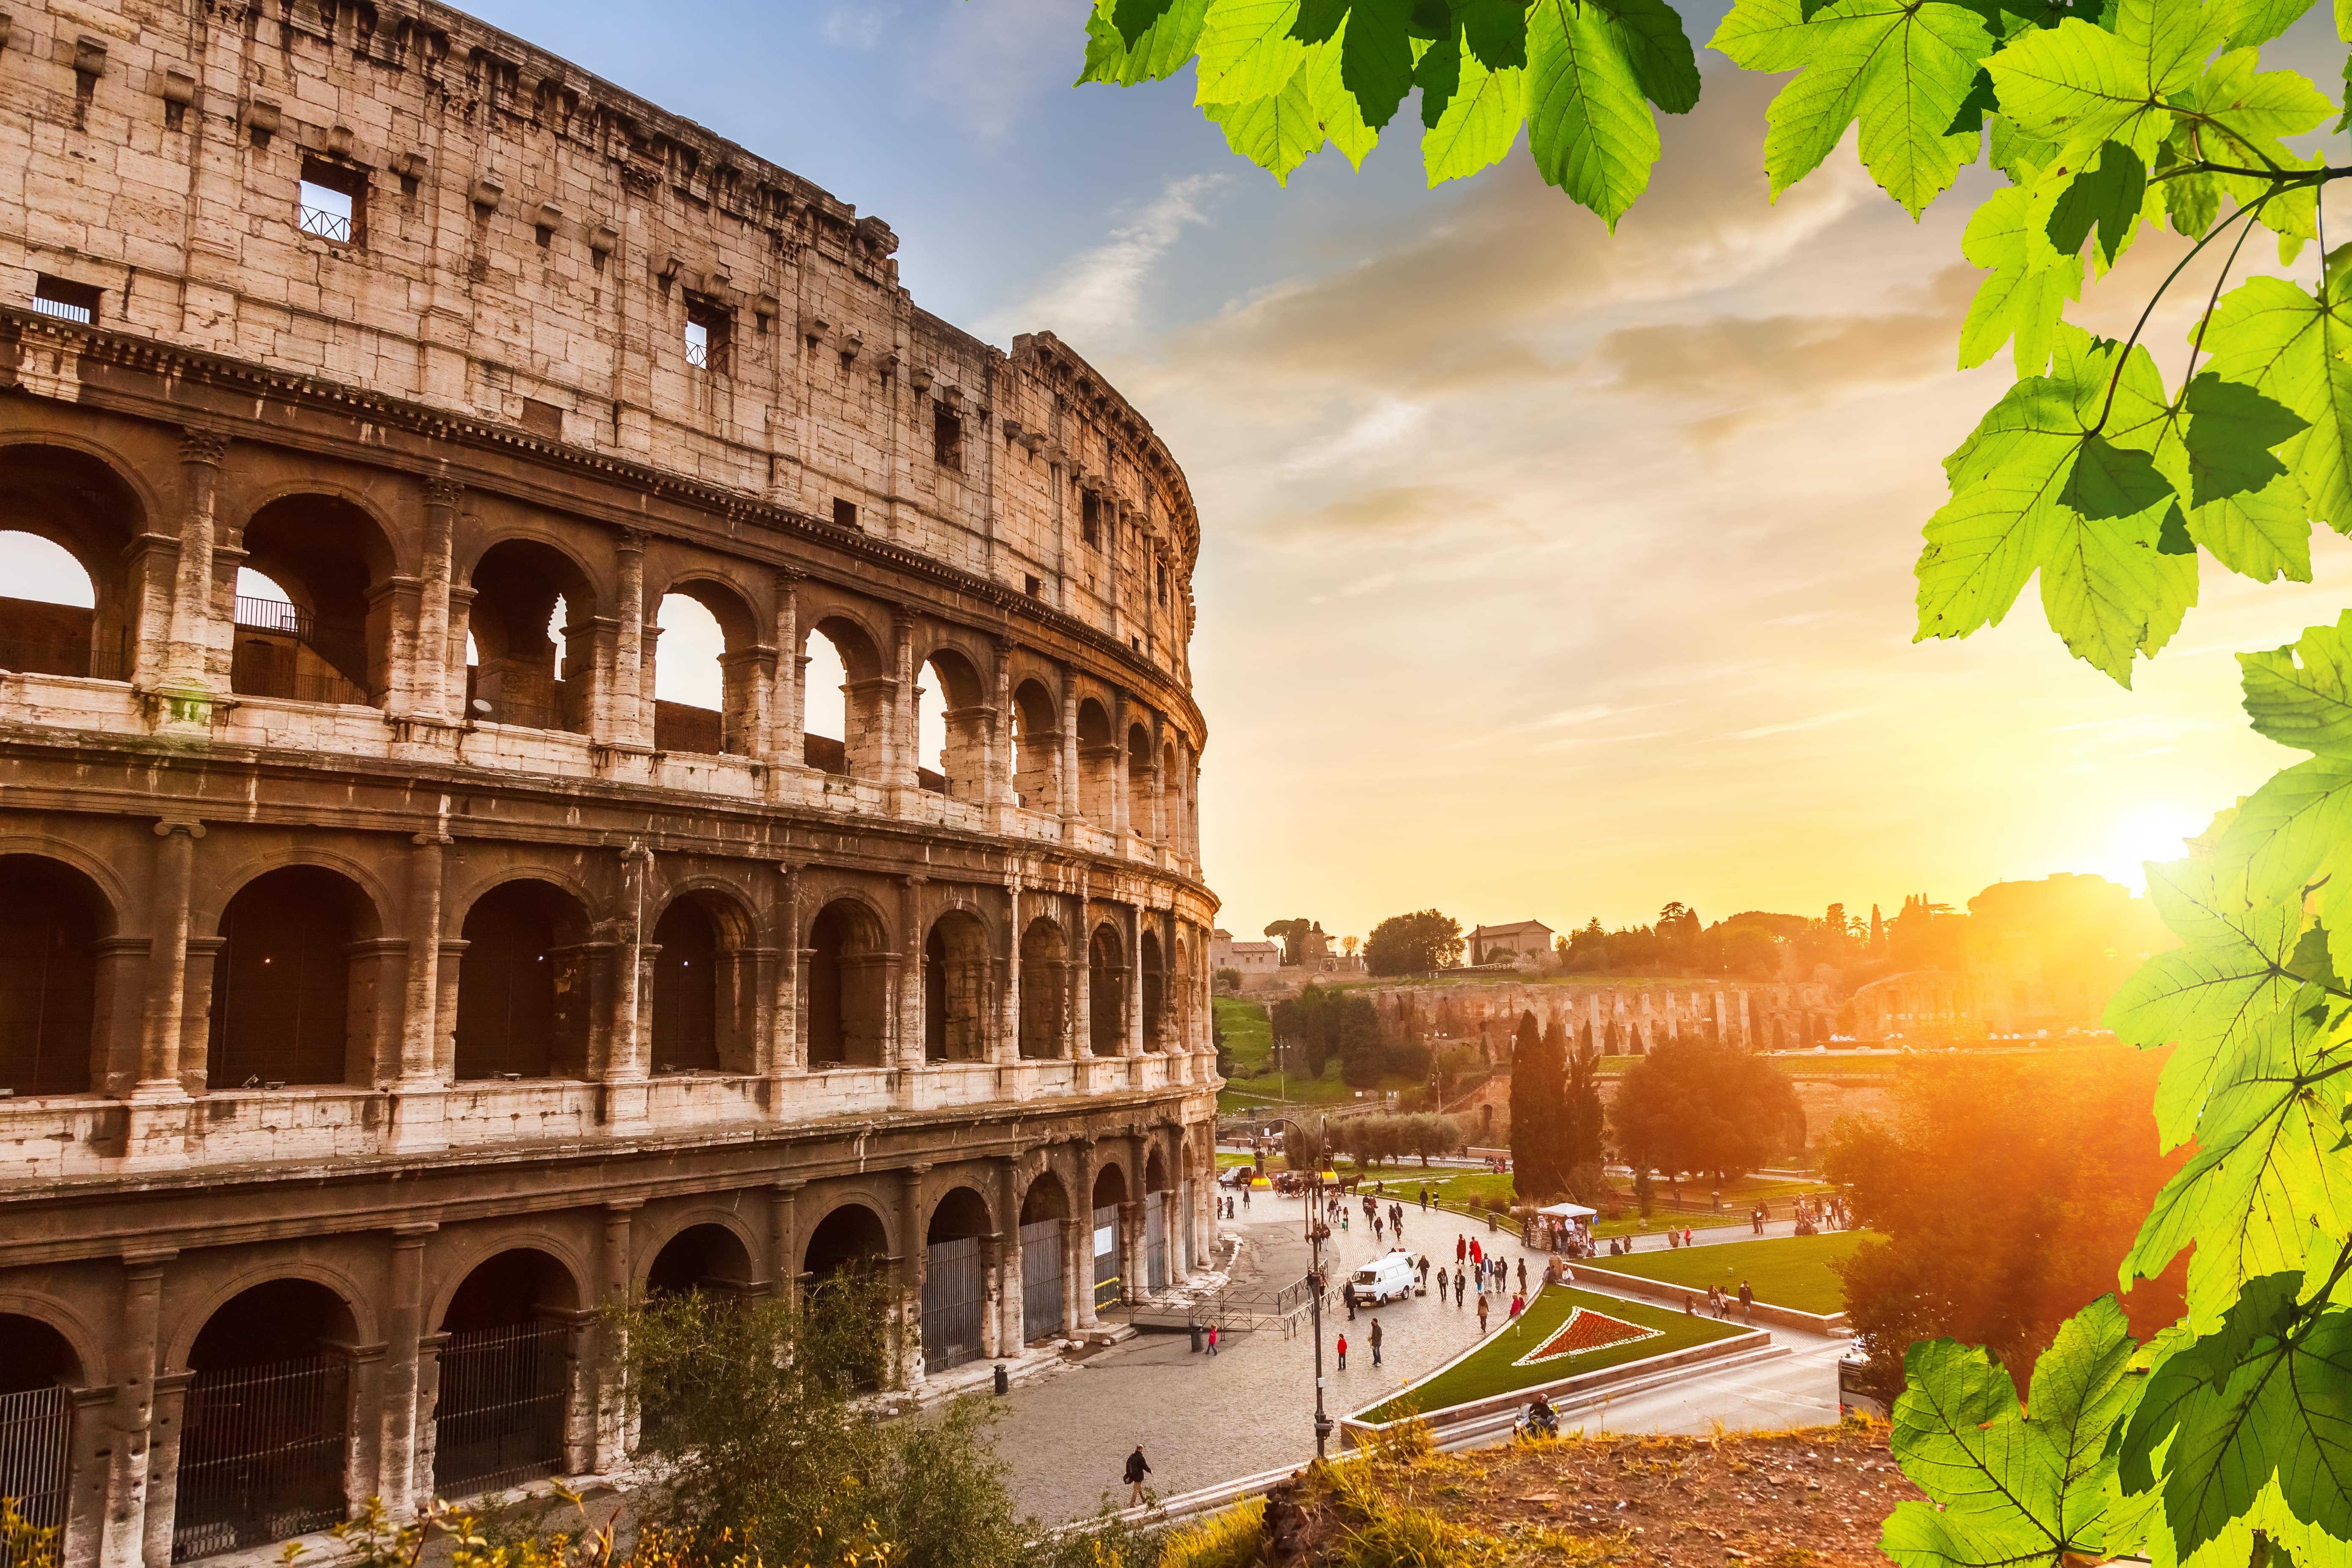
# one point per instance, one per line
(35, 1435)
(505, 1397)
(1107, 1283)
(955, 1289)
(330, 225)
(1155, 1241)
(256, 678)
(1041, 1278)
(261, 1455)
(36, 657)
(273, 615)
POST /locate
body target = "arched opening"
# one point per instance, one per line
(1106, 991)
(1045, 1214)
(1157, 1221)
(1177, 1029)
(952, 723)
(955, 988)
(1155, 992)
(1097, 764)
(1109, 1194)
(707, 679)
(687, 988)
(955, 1279)
(310, 627)
(262, 1436)
(709, 1258)
(851, 734)
(65, 522)
(502, 1412)
(519, 587)
(282, 998)
(521, 991)
(1045, 981)
(38, 1370)
(51, 920)
(1142, 799)
(849, 986)
(850, 1248)
(1036, 750)
(1176, 815)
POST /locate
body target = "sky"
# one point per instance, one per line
(1544, 573)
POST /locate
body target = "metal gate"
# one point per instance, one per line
(1041, 1278)
(500, 1418)
(955, 1291)
(261, 1455)
(1155, 1241)
(1106, 1249)
(35, 1433)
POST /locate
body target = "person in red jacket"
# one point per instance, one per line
(1343, 1353)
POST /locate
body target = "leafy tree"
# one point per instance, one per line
(1999, 1248)
(2104, 120)
(1538, 1082)
(1581, 1122)
(1289, 932)
(1413, 944)
(1704, 1106)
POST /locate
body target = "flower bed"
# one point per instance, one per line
(1584, 1332)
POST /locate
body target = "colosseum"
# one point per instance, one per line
(407, 952)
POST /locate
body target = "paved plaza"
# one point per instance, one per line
(1204, 1419)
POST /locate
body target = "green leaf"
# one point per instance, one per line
(1902, 71)
(1438, 75)
(1159, 51)
(1480, 123)
(2245, 507)
(2037, 487)
(2253, 22)
(1376, 58)
(1335, 108)
(2107, 197)
(1275, 134)
(2301, 695)
(2029, 286)
(2080, 86)
(1247, 52)
(1589, 124)
(2290, 345)
(1658, 49)
(2006, 1488)
(2253, 1429)
(1495, 32)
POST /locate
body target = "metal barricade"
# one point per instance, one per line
(1041, 1278)
(505, 1396)
(36, 1436)
(1109, 1286)
(955, 1289)
(261, 1455)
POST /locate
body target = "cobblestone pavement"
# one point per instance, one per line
(1204, 1419)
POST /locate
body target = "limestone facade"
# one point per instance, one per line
(1627, 1019)
(388, 979)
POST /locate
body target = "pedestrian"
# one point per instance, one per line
(1424, 1197)
(1746, 1301)
(1375, 1337)
(1213, 1339)
(1343, 1353)
(1461, 1283)
(1137, 1466)
(1348, 1298)
(1343, 1221)
(1482, 1311)
(1687, 1235)
(1523, 1276)
(1461, 1248)
(1441, 1281)
(1424, 1274)
(1519, 1305)
(1246, 1192)
(1689, 1308)
(1477, 1253)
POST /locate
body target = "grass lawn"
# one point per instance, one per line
(1488, 1370)
(1249, 1032)
(1786, 1270)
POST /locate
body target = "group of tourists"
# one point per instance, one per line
(1719, 1303)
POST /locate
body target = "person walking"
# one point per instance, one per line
(1523, 1276)
(1375, 1337)
(1746, 1301)
(1137, 1466)
(1519, 1305)
(1441, 1279)
(1424, 1197)
(1477, 1253)
(1461, 1283)
(1343, 1353)
(1424, 1274)
(1213, 1339)
(1348, 1298)
(1482, 1311)
(1461, 1248)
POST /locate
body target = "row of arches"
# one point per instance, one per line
(295, 988)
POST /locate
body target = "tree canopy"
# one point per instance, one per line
(1413, 944)
(1703, 1105)
(1538, 1090)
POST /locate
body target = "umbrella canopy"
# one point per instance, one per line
(1566, 1211)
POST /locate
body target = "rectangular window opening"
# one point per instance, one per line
(1090, 518)
(332, 202)
(947, 437)
(1036, 588)
(845, 513)
(65, 299)
(707, 335)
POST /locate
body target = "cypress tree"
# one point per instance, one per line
(1582, 1120)
(1538, 1094)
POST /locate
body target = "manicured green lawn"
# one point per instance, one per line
(1488, 1371)
(1249, 1032)
(1786, 1270)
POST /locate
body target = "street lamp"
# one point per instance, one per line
(1314, 1299)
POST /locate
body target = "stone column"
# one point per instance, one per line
(1069, 788)
(1131, 993)
(622, 1070)
(1132, 1282)
(167, 1422)
(404, 1324)
(912, 1256)
(1082, 1302)
(789, 1052)
(428, 696)
(903, 759)
(1082, 1019)
(786, 749)
(461, 621)
(1008, 1012)
(150, 575)
(1159, 815)
(624, 724)
(82, 1529)
(186, 662)
(1122, 811)
(912, 1025)
(167, 958)
(122, 1539)
(1011, 1313)
(615, 1276)
(451, 970)
(784, 1240)
(418, 1035)
(1004, 757)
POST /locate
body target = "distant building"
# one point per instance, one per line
(1522, 942)
(1248, 957)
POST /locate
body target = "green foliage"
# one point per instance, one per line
(1703, 1105)
(1540, 1108)
(2105, 482)
(1413, 944)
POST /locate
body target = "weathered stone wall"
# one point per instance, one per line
(1623, 1019)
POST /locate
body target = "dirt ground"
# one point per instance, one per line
(1808, 1498)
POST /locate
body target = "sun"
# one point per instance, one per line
(2146, 833)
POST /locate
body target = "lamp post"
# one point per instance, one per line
(1315, 1300)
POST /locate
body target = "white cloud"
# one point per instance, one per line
(855, 24)
(1097, 304)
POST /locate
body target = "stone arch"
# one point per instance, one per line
(86, 501)
(852, 1229)
(956, 1256)
(54, 920)
(1142, 798)
(961, 1212)
(709, 1251)
(1044, 988)
(517, 582)
(1111, 1186)
(957, 989)
(333, 557)
(502, 1409)
(744, 664)
(1155, 1169)
(522, 1002)
(868, 688)
(463, 1263)
(1183, 989)
(1036, 748)
(847, 996)
(41, 1347)
(284, 1009)
(358, 1325)
(963, 727)
(704, 1010)
(1154, 976)
(1175, 798)
(1106, 990)
(1045, 1198)
(1097, 763)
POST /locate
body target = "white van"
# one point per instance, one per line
(1383, 1280)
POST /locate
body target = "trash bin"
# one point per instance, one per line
(1196, 1339)
(1003, 1383)
(1491, 1224)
